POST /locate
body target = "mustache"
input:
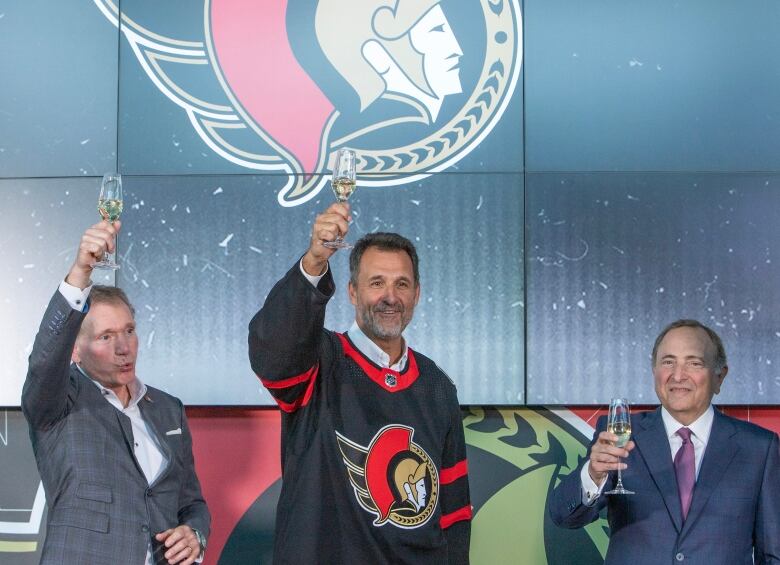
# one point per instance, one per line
(384, 306)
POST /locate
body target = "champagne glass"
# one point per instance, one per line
(110, 207)
(619, 423)
(343, 184)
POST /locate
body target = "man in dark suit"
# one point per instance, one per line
(707, 486)
(115, 456)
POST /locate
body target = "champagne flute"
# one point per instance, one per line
(110, 208)
(619, 423)
(343, 184)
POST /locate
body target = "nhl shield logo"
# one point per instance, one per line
(412, 85)
(393, 478)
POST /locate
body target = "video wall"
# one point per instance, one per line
(575, 176)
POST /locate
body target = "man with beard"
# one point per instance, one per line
(357, 405)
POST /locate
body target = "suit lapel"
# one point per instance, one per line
(151, 416)
(722, 447)
(653, 446)
(106, 413)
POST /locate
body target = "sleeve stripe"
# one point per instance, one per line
(291, 381)
(451, 474)
(301, 400)
(448, 520)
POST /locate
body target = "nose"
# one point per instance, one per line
(390, 295)
(678, 373)
(122, 345)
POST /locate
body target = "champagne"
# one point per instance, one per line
(622, 430)
(110, 209)
(343, 187)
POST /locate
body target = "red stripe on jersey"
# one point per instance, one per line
(379, 375)
(303, 400)
(448, 520)
(291, 381)
(451, 474)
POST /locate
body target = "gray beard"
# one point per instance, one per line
(379, 330)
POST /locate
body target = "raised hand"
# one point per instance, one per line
(329, 225)
(95, 242)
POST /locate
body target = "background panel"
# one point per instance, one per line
(201, 253)
(613, 258)
(158, 137)
(42, 220)
(661, 86)
(58, 101)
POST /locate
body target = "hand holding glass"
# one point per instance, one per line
(619, 423)
(110, 208)
(343, 184)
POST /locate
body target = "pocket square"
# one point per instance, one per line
(175, 432)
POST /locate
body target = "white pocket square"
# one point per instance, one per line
(175, 432)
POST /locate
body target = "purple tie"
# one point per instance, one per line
(685, 469)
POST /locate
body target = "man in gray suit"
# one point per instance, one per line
(115, 455)
(707, 486)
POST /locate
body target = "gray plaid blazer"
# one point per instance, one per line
(101, 509)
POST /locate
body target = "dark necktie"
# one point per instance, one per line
(685, 469)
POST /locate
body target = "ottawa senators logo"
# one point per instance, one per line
(393, 477)
(412, 85)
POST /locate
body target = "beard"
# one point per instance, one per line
(379, 328)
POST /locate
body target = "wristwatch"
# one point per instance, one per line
(201, 539)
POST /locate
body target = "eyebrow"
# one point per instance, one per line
(116, 330)
(687, 357)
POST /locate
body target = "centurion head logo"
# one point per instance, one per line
(412, 85)
(393, 478)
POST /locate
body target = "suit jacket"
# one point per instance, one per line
(101, 508)
(735, 508)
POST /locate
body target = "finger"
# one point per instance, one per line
(327, 233)
(335, 224)
(99, 236)
(341, 208)
(163, 535)
(184, 555)
(609, 453)
(175, 547)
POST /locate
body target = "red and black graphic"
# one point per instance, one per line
(393, 478)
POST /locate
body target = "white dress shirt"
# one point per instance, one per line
(360, 340)
(700, 435)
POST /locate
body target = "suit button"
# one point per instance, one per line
(144, 528)
(679, 557)
(149, 492)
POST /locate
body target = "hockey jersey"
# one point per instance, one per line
(373, 460)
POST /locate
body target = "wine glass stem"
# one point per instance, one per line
(620, 476)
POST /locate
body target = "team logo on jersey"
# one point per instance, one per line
(412, 85)
(393, 478)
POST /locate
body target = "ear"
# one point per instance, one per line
(417, 295)
(75, 356)
(720, 378)
(352, 294)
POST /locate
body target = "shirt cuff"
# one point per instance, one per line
(314, 280)
(76, 297)
(590, 490)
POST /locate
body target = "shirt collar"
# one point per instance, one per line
(137, 389)
(701, 427)
(373, 352)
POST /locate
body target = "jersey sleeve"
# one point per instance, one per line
(456, 510)
(284, 337)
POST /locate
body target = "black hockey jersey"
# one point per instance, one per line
(373, 460)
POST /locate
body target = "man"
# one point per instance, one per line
(707, 486)
(115, 456)
(373, 451)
